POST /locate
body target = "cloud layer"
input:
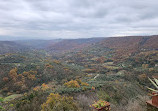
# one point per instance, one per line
(50, 19)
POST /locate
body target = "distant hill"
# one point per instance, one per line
(124, 46)
(10, 47)
(37, 44)
(114, 48)
(56, 45)
(131, 41)
(72, 44)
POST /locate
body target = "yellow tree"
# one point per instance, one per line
(13, 74)
(56, 102)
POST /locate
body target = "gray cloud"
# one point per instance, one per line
(77, 18)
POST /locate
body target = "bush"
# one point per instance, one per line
(84, 84)
(72, 84)
(75, 84)
(56, 102)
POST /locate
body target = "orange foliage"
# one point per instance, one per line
(93, 88)
(84, 84)
(44, 87)
(75, 83)
(72, 84)
(56, 102)
(5, 79)
(30, 75)
(13, 74)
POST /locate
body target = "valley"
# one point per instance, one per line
(114, 69)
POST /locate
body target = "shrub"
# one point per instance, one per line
(44, 87)
(84, 84)
(56, 102)
(72, 84)
(75, 83)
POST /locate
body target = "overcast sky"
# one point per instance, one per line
(49, 19)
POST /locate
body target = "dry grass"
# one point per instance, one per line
(85, 101)
(137, 104)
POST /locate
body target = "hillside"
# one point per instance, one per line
(52, 46)
(128, 46)
(113, 69)
(125, 45)
(72, 44)
(59, 45)
(116, 48)
(38, 44)
(10, 47)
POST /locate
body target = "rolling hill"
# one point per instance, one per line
(10, 47)
(126, 46)
(72, 44)
(114, 69)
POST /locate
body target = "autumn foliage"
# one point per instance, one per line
(56, 102)
(75, 83)
(72, 84)
(13, 74)
(19, 82)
